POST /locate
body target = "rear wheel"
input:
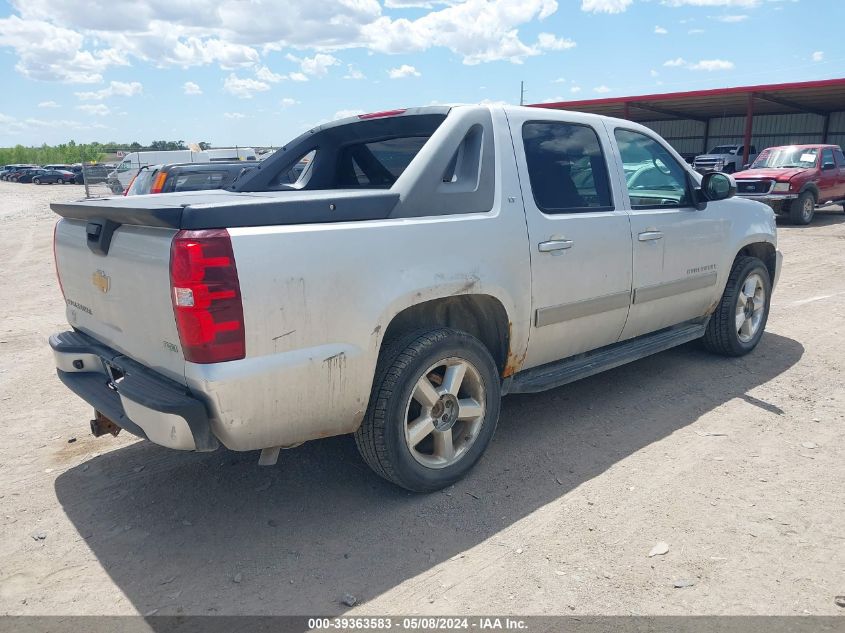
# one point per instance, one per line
(37, 181)
(433, 410)
(801, 209)
(740, 318)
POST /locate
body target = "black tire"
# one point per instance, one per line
(37, 181)
(802, 209)
(381, 437)
(722, 335)
(729, 169)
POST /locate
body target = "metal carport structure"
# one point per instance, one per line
(764, 115)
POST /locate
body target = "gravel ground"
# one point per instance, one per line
(736, 465)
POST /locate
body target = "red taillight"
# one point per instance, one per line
(56, 259)
(380, 115)
(206, 296)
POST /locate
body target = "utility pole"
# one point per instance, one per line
(521, 93)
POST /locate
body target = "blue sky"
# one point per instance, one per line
(259, 72)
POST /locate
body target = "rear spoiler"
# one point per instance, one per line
(221, 209)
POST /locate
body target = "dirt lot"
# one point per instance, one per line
(737, 465)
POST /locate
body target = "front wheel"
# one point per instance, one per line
(802, 209)
(740, 318)
(433, 410)
(37, 181)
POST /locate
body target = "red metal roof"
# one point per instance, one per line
(819, 97)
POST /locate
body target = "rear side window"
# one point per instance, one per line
(566, 167)
(827, 157)
(199, 181)
(840, 157)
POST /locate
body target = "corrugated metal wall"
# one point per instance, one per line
(768, 130)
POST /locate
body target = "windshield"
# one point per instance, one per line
(723, 149)
(801, 157)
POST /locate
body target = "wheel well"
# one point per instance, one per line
(811, 187)
(763, 251)
(482, 316)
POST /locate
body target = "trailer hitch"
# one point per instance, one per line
(101, 425)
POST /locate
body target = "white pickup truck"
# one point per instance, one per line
(422, 264)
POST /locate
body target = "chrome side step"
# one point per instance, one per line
(563, 372)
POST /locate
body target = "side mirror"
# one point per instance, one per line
(715, 186)
(828, 166)
(746, 165)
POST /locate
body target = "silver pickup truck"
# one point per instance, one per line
(393, 275)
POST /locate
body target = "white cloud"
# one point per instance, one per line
(265, 74)
(575, 89)
(745, 4)
(818, 56)
(704, 64)
(317, 66)
(695, 31)
(57, 42)
(52, 53)
(659, 30)
(13, 127)
(353, 73)
(477, 30)
(114, 89)
(286, 102)
(297, 77)
(244, 88)
(550, 42)
(711, 65)
(403, 71)
(605, 6)
(345, 114)
(99, 109)
(191, 88)
(653, 73)
(48, 104)
(731, 19)
(601, 89)
(234, 115)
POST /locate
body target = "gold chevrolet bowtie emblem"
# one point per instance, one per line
(101, 280)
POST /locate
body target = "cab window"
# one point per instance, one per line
(566, 167)
(652, 175)
(827, 158)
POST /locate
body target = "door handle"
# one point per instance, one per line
(555, 245)
(648, 236)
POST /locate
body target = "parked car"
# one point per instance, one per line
(726, 158)
(424, 263)
(26, 175)
(120, 178)
(185, 177)
(54, 176)
(11, 174)
(78, 174)
(795, 179)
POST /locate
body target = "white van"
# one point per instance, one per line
(123, 174)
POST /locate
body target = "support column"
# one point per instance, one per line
(749, 120)
(706, 136)
(627, 112)
(826, 127)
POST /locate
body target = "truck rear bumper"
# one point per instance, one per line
(132, 396)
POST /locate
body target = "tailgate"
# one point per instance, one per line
(122, 298)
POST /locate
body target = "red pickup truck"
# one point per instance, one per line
(795, 179)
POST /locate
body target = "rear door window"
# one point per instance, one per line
(199, 181)
(566, 167)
